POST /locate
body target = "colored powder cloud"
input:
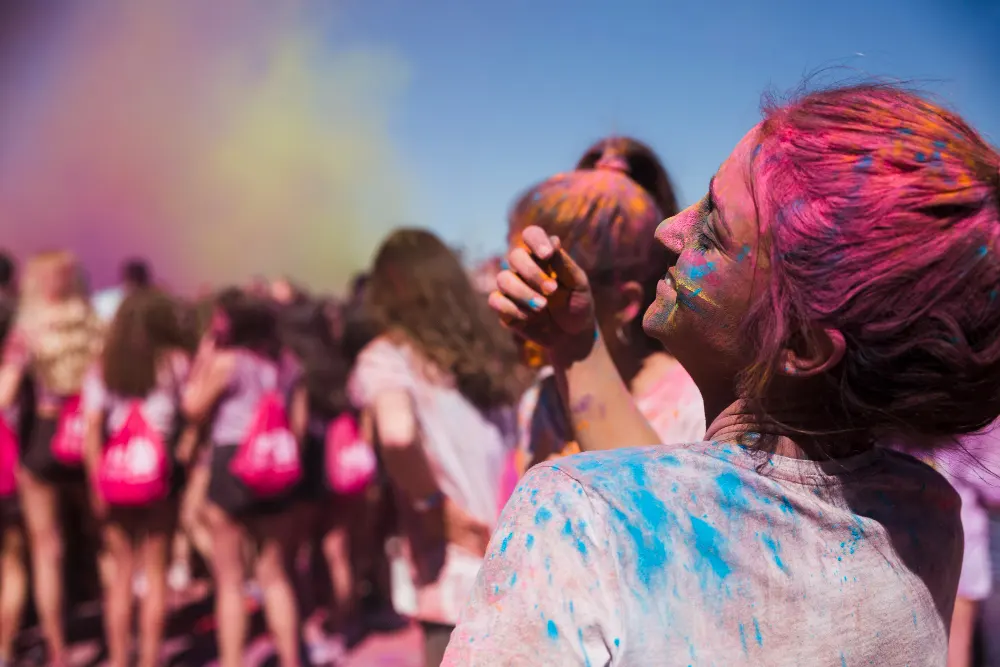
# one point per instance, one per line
(220, 139)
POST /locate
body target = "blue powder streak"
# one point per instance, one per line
(506, 541)
(530, 541)
(775, 549)
(552, 630)
(743, 638)
(707, 541)
(756, 632)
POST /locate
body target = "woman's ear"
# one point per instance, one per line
(630, 303)
(813, 351)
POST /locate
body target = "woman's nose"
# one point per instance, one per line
(671, 232)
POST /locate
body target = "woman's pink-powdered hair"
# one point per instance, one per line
(880, 217)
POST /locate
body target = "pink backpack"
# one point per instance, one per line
(268, 460)
(67, 444)
(350, 461)
(9, 450)
(135, 468)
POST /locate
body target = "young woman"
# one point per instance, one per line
(604, 220)
(54, 342)
(144, 364)
(13, 569)
(834, 290)
(334, 520)
(239, 364)
(436, 385)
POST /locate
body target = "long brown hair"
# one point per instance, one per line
(147, 325)
(418, 288)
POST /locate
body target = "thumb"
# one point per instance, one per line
(568, 272)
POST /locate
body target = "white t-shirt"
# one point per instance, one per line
(467, 450)
(707, 554)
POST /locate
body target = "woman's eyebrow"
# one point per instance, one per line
(715, 206)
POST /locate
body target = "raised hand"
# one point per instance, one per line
(544, 295)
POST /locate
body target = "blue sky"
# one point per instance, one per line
(502, 94)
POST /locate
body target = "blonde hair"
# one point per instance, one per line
(65, 336)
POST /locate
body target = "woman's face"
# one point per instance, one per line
(703, 298)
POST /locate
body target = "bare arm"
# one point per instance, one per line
(396, 431)
(554, 307)
(600, 407)
(298, 413)
(10, 382)
(209, 378)
(92, 445)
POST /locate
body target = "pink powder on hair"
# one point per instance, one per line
(879, 214)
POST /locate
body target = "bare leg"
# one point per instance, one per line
(227, 566)
(193, 518)
(13, 588)
(39, 502)
(155, 555)
(336, 550)
(117, 571)
(277, 541)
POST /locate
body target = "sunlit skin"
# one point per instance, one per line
(702, 299)
(696, 315)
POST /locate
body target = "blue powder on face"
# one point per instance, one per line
(553, 631)
(699, 272)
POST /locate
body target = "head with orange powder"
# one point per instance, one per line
(605, 220)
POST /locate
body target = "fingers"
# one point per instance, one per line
(538, 242)
(550, 259)
(532, 272)
(568, 272)
(509, 311)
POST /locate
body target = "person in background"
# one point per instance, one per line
(55, 340)
(239, 364)
(437, 387)
(972, 465)
(135, 274)
(628, 555)
(604, 220)
(13, 566)
(145, 362)
(333, 520)
(193, 530)
(8, 279)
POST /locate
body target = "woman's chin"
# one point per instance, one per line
(658, 320)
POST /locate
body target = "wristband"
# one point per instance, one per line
(429, 503)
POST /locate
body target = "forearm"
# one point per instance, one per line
(410, 470)
(600, 408)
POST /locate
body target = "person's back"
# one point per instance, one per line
(704, 560)
(467, 446)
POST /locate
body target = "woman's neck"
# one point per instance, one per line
(737, 424)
